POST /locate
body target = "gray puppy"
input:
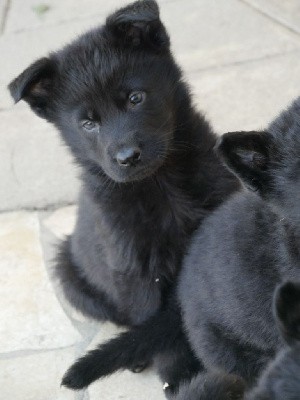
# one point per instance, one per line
(248, 246)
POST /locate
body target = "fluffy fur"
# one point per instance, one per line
(212, 386)
(134, 221)
(149, 173)
(280, 379)
(161, 334)
(238, 256)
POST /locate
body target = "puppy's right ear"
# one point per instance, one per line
(246, 154)
(35, 85)
(287, 311)
(138, 26)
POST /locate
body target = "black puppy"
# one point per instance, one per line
(241, 252)
(149, 173)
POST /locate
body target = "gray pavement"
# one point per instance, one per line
(242, 60)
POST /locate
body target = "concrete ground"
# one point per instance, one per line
(242, 60)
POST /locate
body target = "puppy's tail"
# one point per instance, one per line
(128, 350)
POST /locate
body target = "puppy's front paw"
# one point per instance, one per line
(78, 376)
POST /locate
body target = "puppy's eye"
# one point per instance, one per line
(89, 125)
(136, 98)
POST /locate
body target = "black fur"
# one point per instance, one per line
(212, 386)
(242, 251)
(280, 380)
(165, 337)
(149, 173)
(134, 221)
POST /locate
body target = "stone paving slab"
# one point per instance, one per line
(208, 33)
(247, 96)
(287, 12)
(36, 169)
(36, 376)
(58, 12)
(62, 221)
(30, 314)
(127, 385)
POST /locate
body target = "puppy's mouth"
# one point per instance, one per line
(141, 174)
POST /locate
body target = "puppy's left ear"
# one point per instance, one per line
(246, 154)
(138, 26)
(287, 311)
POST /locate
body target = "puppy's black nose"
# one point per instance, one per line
(129, 156)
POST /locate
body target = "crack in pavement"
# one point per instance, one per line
(4, 16)
(271, 17)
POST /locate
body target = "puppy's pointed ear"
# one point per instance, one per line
(287, 311)
(34, 85)
(138, 25)
(246, 154)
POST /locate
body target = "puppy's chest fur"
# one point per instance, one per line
(131, 243)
